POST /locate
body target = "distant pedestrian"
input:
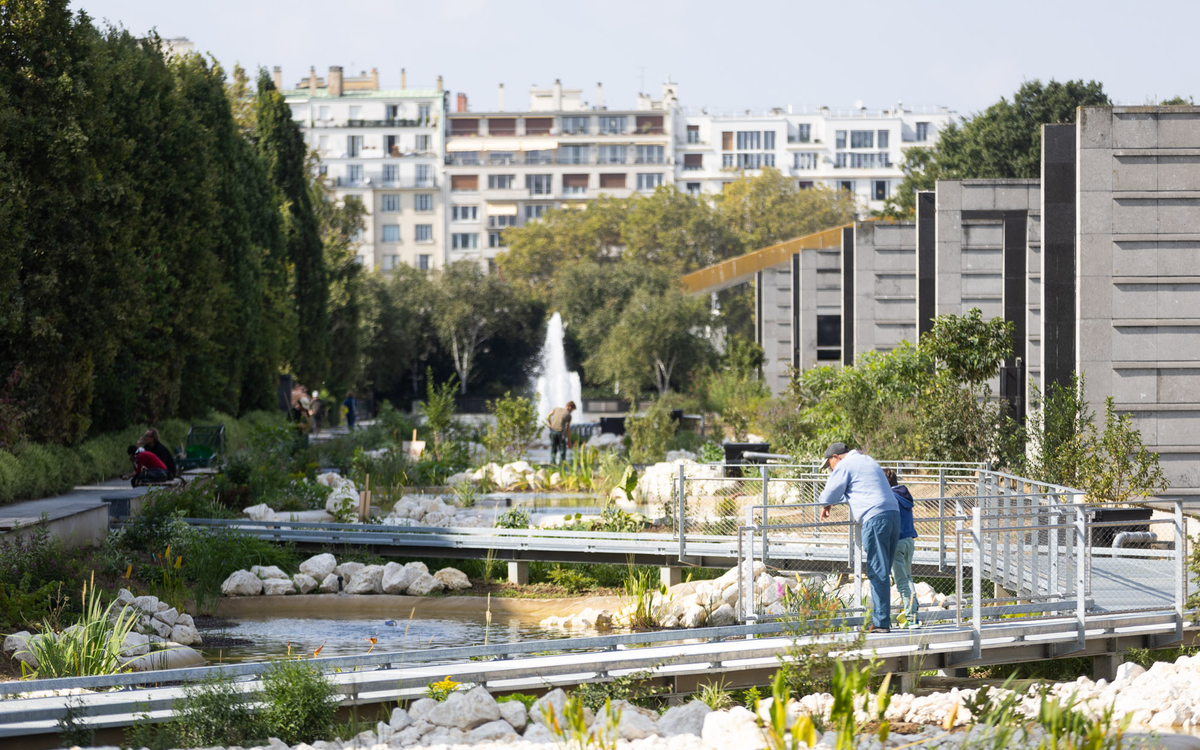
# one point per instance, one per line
(559, 423)
(147, 467)
(316, 414)
(351, 405)
(903, 562)
(153, 443)
(856, 479)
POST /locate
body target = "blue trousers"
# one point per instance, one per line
(902, 571)
(879, 538)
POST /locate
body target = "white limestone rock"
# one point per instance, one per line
(319, 566)
(174, 656)
(465, 710)
(425, 584)
(304, 583)
(453, 579)
(161, 628)
(267, 572)
(693, 616)
(551, 702)
(722, 616)
(634, 722)
(148, 604)
(329, 584)
(135, 644)
(514, 713)
(540, 734)
(124, 598)
(1128, 672)
(397, 578)
(735, 728)
(16, 641)
(242, 583)
(278, 587)
(168, 615)
(400, 720)
(686, 719)
(420, 709)
(184, 635)
(367, 580)
(492, 731)
(347, 570)
(260, 512)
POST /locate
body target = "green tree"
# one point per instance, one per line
(649, 433)
(397, 331)
(675, 231)
(537, 248)
(514, 428)
(970, 348)
(659, 336)
(768, 208)
(1178, 101)
(340, 224)
(1005, 140)
(1057, 430)
(590, 296)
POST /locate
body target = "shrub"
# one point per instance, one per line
(213, 713)
(515, 428)
(441, 690)
(438, 410)
(301, 703)
(92, 646)
(213, 554)
(649, 433)
(34, 556)
(572, 580)
(711, 453)
(635, 688)
(513, 519)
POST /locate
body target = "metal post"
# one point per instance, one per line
(1021, 524)
(679, 511)
(1180, 567)
(977, 582)
(1052, 553)
(941, 519)
(747, 567)
(856, 536)
(1080, 574)
(766, 499)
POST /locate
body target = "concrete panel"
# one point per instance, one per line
(1095, 256)
(829, 262)
(1128, 172)
(1178, 386)
(1179, 216)
(1129, 343)
(982, 235)
(1096, 171)
(1131, 258)
(1178, 301)
(1178, 130)
(977, 285)
(1179, 343)
(1178, 173)
(894, 310)
(990, 308)
(1095, 213)
(1131, 216)
(1178, 428)
(978, 197)
(949, 195)
(1012, 198)
(1178, 259)
(1147, 423)
(1134, 130)
(1133, 300)
(895, 285)
(896, 261)
(1135, 386)
(1096, 340)
(896, 235)
(982, 260)
(1098, 385)
(1095, 127)
(1181, 469)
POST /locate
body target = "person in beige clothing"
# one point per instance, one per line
(559, 423)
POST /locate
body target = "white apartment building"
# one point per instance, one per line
(385, 147)
(856, 150)
(505, 168)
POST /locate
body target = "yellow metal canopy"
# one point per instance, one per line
(742, 268)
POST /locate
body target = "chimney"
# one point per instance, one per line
(374, 79)
(403, 78)
(462, 102)
(500, 99)
(440, 88)
(335, 80)
(277, 77)
(599, 95)
(557, 100)
(312, 80)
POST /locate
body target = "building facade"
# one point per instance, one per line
(506, 168)
(383, 147)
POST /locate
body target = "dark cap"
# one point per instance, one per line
(834, 449)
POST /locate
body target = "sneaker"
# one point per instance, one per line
(877, 629)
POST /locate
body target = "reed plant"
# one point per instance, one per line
(94, 645)
(647, 596)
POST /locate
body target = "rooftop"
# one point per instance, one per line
(323, 93)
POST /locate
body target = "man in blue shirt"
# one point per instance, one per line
(857, 479)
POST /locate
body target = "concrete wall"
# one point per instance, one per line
(1137, 244)
(885, 288)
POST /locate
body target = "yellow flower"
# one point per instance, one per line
(129, 570)
(178, 562)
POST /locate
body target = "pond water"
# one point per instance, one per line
(348, 637)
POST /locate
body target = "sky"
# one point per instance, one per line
(963, 55)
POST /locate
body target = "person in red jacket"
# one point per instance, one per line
(148, 468)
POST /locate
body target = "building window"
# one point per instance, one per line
(464, 241)
(829, 337)
(880, 191)
(613, 181)
(323, 113)
(847, 185)
(805, 161)
(423, 112)
(768, 139)
(391, 145)
(612, 125)
(422, 143)
(612, 155)
(693, 189)
(390, 262)
(727, 160)
(393, 111)
(507, 220)
(882, 139)
(323, 143)
(647, 182)
(840, 139)
(652, 124)
(323, 169)
(423, 178)
(922, 131)
(534, 212)
(804, 184)
(500, 182)
(424, 233)
(353, 145)
(693, 133)
(539, 157)
(538, 184)
(649, 154)
(502, 158)
(391, 173)
(575, 184)
(423, 202)
(464, 183)
(693, 161)
(727, 140)
(390, 203)
(839, 161)
(391, 232)
(494, 239)
(464, 213)
(423, 262)
(354, 173)
(862, 139)
(572, 154)
(804, 133)
(749, 139)
(502, 125)
(574, 125)
(749, 161)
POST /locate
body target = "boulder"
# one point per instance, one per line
(304, 583)
(266, 572)
(420, 709)
(368, 580)
(329, 584)
(169, 615)
(453, 579)
(425, 584)
(161, 628)
(147, 604)
(16, 641)
(540, 734)
(242, 583)
(693, 617)
(124, 597)
(1127, 672)
(491, 731)
(135, 644)
(278, 587)
(397, 578)
(465, 710)
(347, 570)
(460, 478)
(260, 512)
(722, 616)
(686, 719)
(737, 727)
(400, 719)
(174, 656)
(186, 619)
(635, 722)
(318, 566)
(420, 567)
(514, 713)
(184, 635)
(551, 702)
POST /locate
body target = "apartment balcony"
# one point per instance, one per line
(651, 160)
(387, 123)
(376, 180)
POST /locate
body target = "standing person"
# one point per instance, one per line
(559, 423)
(902, 564)
(351, 405)
(153, 443)
(857, 479)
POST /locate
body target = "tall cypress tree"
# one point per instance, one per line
(281, 143)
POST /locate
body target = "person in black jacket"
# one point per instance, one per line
(153, 443)
(903, 561)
